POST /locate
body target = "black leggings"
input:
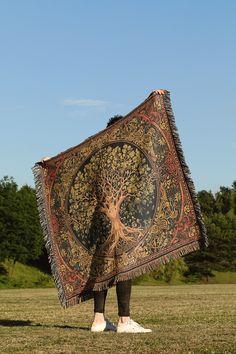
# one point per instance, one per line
(123, 291)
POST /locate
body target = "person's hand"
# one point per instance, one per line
(160, 92)
(44, 159)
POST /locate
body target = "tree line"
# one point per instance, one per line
(219, 211)
(21, 235)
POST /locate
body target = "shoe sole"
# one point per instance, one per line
(133, 331)
(103, 330)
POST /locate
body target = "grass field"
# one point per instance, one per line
(23, 276)
(184, 319)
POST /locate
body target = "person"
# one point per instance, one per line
(123, 292)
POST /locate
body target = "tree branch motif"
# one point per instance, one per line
(111, 200)
(119, 174)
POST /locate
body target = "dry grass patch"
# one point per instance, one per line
(184, 319)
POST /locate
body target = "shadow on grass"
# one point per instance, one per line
(21, 323)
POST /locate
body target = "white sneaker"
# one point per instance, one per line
(131, 327)
(104, 326)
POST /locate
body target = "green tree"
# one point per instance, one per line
(220, 220)
(223, 203)
(173, 270)
(207, 202)
(29, 232)
(8, 217)
(201, 263)
(20, 232)
(222, 232)
(234, 196)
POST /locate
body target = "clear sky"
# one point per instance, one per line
(67, 66)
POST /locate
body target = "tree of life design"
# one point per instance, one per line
(112, 198)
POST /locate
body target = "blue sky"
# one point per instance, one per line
(67, 66)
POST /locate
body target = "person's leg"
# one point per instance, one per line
(123, 291)
(125, 323)
(99, 305)
(100, 324)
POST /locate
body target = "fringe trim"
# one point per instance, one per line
(204, 242)
(135, 272)
(151, 265)
(44, 221)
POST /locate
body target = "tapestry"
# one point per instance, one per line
(119, 204)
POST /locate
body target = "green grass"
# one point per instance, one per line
(185, 319)
(223, 278)
(23, 276)
(219, 278)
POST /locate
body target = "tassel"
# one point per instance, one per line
(204, 242)
(44, 221)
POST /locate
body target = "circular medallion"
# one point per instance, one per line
(112, 198)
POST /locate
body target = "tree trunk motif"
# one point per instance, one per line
(120, 174)
(119, 231)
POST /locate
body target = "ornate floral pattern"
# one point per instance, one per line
(118, 204)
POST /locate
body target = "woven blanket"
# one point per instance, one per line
(118, 204)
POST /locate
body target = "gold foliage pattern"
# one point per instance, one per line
(117, 201)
